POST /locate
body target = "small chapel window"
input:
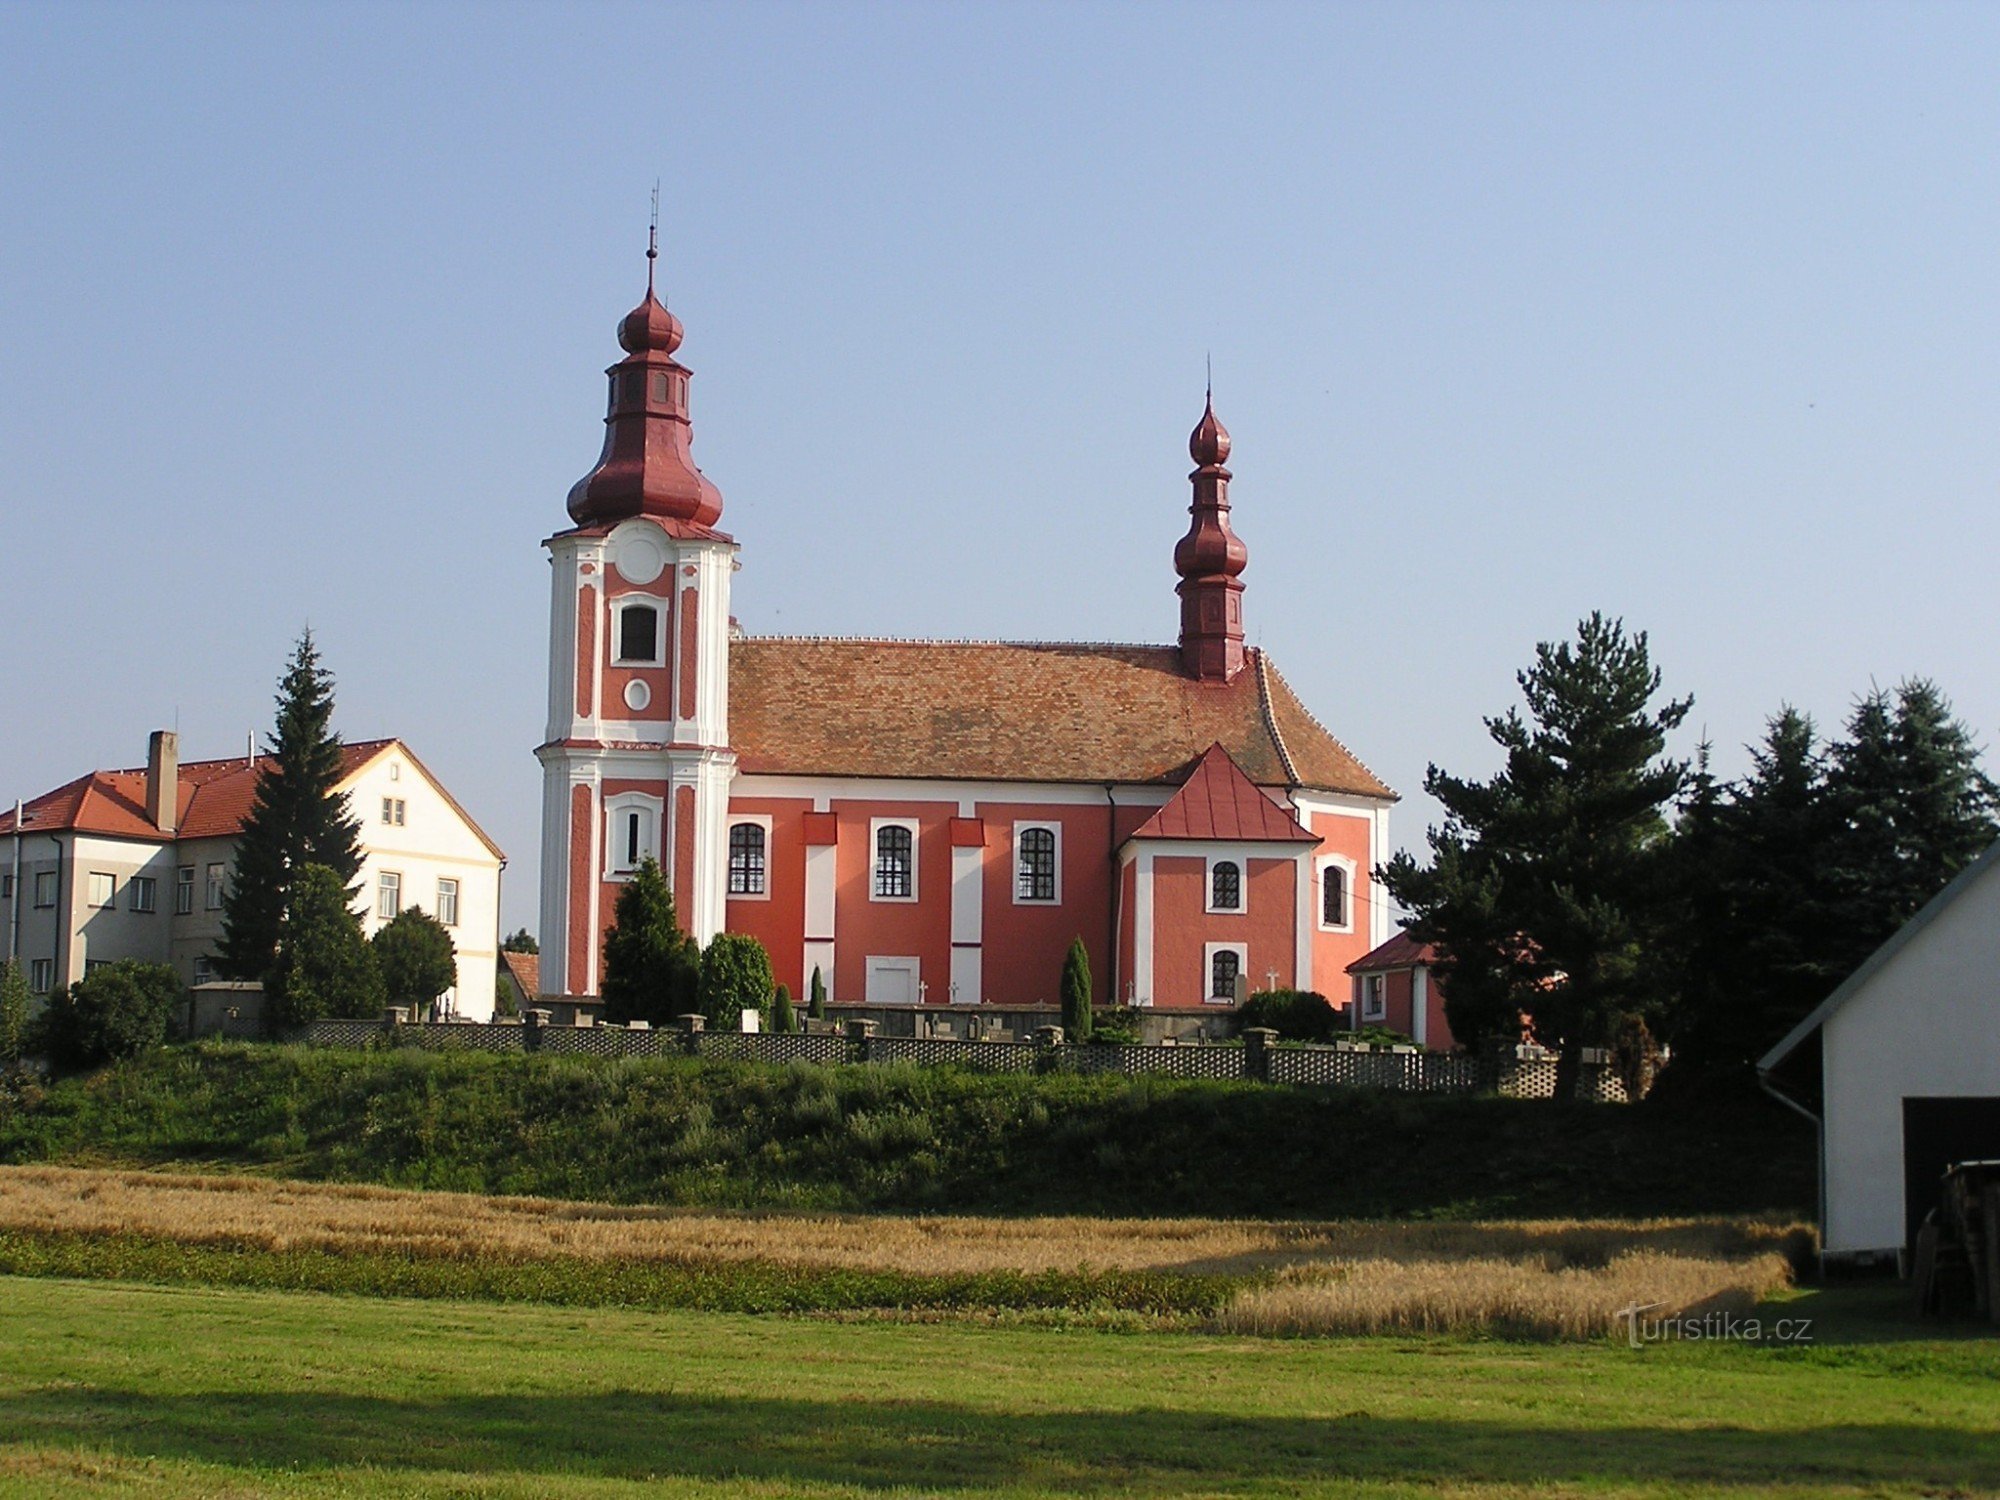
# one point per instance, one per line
(1333, 896)
(639, 633)
(1225, 886)
(746, 859)
(895, 863)
(1222, 972)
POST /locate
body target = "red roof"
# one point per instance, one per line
(1401, 952)
(1219, 802)
(526, 970)
(1018, 711)
(215, 797)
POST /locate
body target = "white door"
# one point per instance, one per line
(891, 981)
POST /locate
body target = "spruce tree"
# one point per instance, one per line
(297, 818)
(1548, 881)
(325, 967)
(1076, 1013)
(651, 967)
(816, 999)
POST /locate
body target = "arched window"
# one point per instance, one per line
(1333, 896)
(1225, 886)
(895, 862)
(1222, 972)
(639, 633)
(746, 859)
(1036, 858)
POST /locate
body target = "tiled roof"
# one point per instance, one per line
(526, 969)
(1401, 952)
(998, 711)
(1220, 802)
(215, 797)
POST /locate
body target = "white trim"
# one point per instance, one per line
(1321, 865)
(763, 821)
(1242, 906)
(616, 810)
(962, 793)
(968, 896)
(1142, 928)
(875, 827)
(879, 964)
(1208, 952)
(1021, 826)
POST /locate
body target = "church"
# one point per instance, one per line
(931, 822)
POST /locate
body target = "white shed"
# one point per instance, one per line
(1901, 1066)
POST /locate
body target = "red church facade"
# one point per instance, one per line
(931, 822)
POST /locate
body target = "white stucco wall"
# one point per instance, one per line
(1924, 1025)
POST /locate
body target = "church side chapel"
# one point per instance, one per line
(931, 822)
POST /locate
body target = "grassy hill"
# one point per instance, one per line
(904, 1138)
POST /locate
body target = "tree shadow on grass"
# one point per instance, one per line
(936, 1445)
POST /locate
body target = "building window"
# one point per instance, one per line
(388, 894)
(92, 965)
(103, 889)
(395, 770)
(639, 634)
(1374, 1007)
(214, 901)
(746, 859)
(184, 890)
(141, 891)
(1035, 863)
(895, 861)
(41, 975)
(393, 809)
(631, 831)
(1225, 886)
(448, 902)
(204, 970)
(1336, 894)
(45, 888)
(1225, 966)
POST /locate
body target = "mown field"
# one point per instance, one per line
(737, 1135)
(118, 1389)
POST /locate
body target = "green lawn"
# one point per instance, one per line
(178, 1390)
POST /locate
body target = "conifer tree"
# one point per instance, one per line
(324, 967)
(520, 941)
(297, 818)
(816, 999)
(1548, 881)
(783, 1017)
(651, 967)
(1076, 1014)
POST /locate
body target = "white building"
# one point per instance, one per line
(1901, 1067)
(109, 867)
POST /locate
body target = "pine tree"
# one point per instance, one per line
(417, 960)
(1076, 1013)
(324, 967)
(297, 818)
(651, 967)
(1548, 881)
(816, 1000)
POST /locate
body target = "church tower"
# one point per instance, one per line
(636, 758)
(1210, 560)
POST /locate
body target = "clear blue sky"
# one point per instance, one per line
(1685, 312)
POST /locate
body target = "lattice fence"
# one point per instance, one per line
(607, 1041)
(983, 1057)
(773, 1046)
(1170, 1062)
(349, 1036)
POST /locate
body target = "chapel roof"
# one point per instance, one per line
(1019, 711)
(1219, 802)
(1401, 952)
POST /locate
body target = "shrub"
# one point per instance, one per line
(735, 977)
(325, 966)
(783, 1017)
(418, 962)
(1076, 1017)
(114, 1012)
(1115, 1025)
(651, 967)
(13, 1014)
(816, 1005)
(1296, 1015)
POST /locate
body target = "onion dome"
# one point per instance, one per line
(650, 328)
(1209, 442)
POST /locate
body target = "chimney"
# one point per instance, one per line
(163, 780)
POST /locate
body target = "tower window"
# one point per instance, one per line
(639, 634)
(660, 386)
(1333, 896)
(746, 859)
(1225, 886)
(895, 862)
(1035, 865)
(631, 832)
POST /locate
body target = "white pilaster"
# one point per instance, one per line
(1420, 1005)
(1142, 929)
(968, 917)
(820, 870)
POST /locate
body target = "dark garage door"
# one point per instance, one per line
(1936, 1133)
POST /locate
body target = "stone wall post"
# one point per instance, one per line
(691, 1025)
(859, 1031)
(533, 1024)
